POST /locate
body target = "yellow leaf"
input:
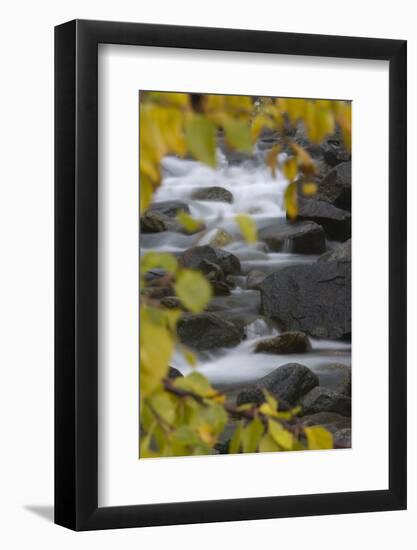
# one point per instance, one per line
(305, 162)
(258, 123)
(163, 404)
(268, 445)
(164, 260)
(146, 192)
(206, 434)
(189, 356)
(235, 442)
(169, 98)
(213, 103)
(247, 227)
(280, 435)
(309, 189)
(156, 348)
(319, 122)
(200, 135)
(197, 383)
(318, 438)
(271, 158)
(295, 108)
(239, 104)
(290, 168)
(193, 290)
(190, 224)
(237, 134)
(290, 199)
(251, 435)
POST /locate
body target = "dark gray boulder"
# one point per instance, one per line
(335, 221)
(343, 439)
(152, 222)
(332, 421)
(321, 399)
(213, 193)
(174, 373)
(254, 279)
(206, 331)
(335, 377)
(315, 299)
(336, 187)
(172, 302)
(287, 342)
(329, 153)
(287, 383)
(299, 237)
(342, 253)
(227, 261)
(169, 208)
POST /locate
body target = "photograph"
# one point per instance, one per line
(245, 274)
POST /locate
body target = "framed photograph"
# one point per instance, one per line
(230, 255)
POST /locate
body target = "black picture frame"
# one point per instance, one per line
(76, 272)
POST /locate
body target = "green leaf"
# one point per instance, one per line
(238, 134)
(280, 435)
(251, 436)
(196, 383)
(163, 404)
(156, 349)
(247, 227)
(268, 445)
(193, 290)
(200, 135)
(318, 438)
(235, 442)
(163, 260)
(189, 223)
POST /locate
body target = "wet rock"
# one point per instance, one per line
(288, 383)
(300, 237)
(332, 421)
(321, 399)
(343, 439)
(157, 292)
(206, 331)
(152, 222)
(335, 377)
(336, 186)
(213, 193)
(220, 288)
(328, 154)
(172, 302)
(154, 277)
(169, 208)
(315, 299)
(230, 281)
(287, 342)
(335, 221)
(174, 373)
(342, 253)
(254, 279)
(211, 270)
(226, 260)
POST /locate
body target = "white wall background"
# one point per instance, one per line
(26, 273)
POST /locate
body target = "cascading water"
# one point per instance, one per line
(256, 192)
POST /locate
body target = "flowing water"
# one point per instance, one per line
(257, 193)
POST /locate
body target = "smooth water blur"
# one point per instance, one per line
(257, 193)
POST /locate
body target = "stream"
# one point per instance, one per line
(257, 193)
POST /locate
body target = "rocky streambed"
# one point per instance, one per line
(280, 316)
